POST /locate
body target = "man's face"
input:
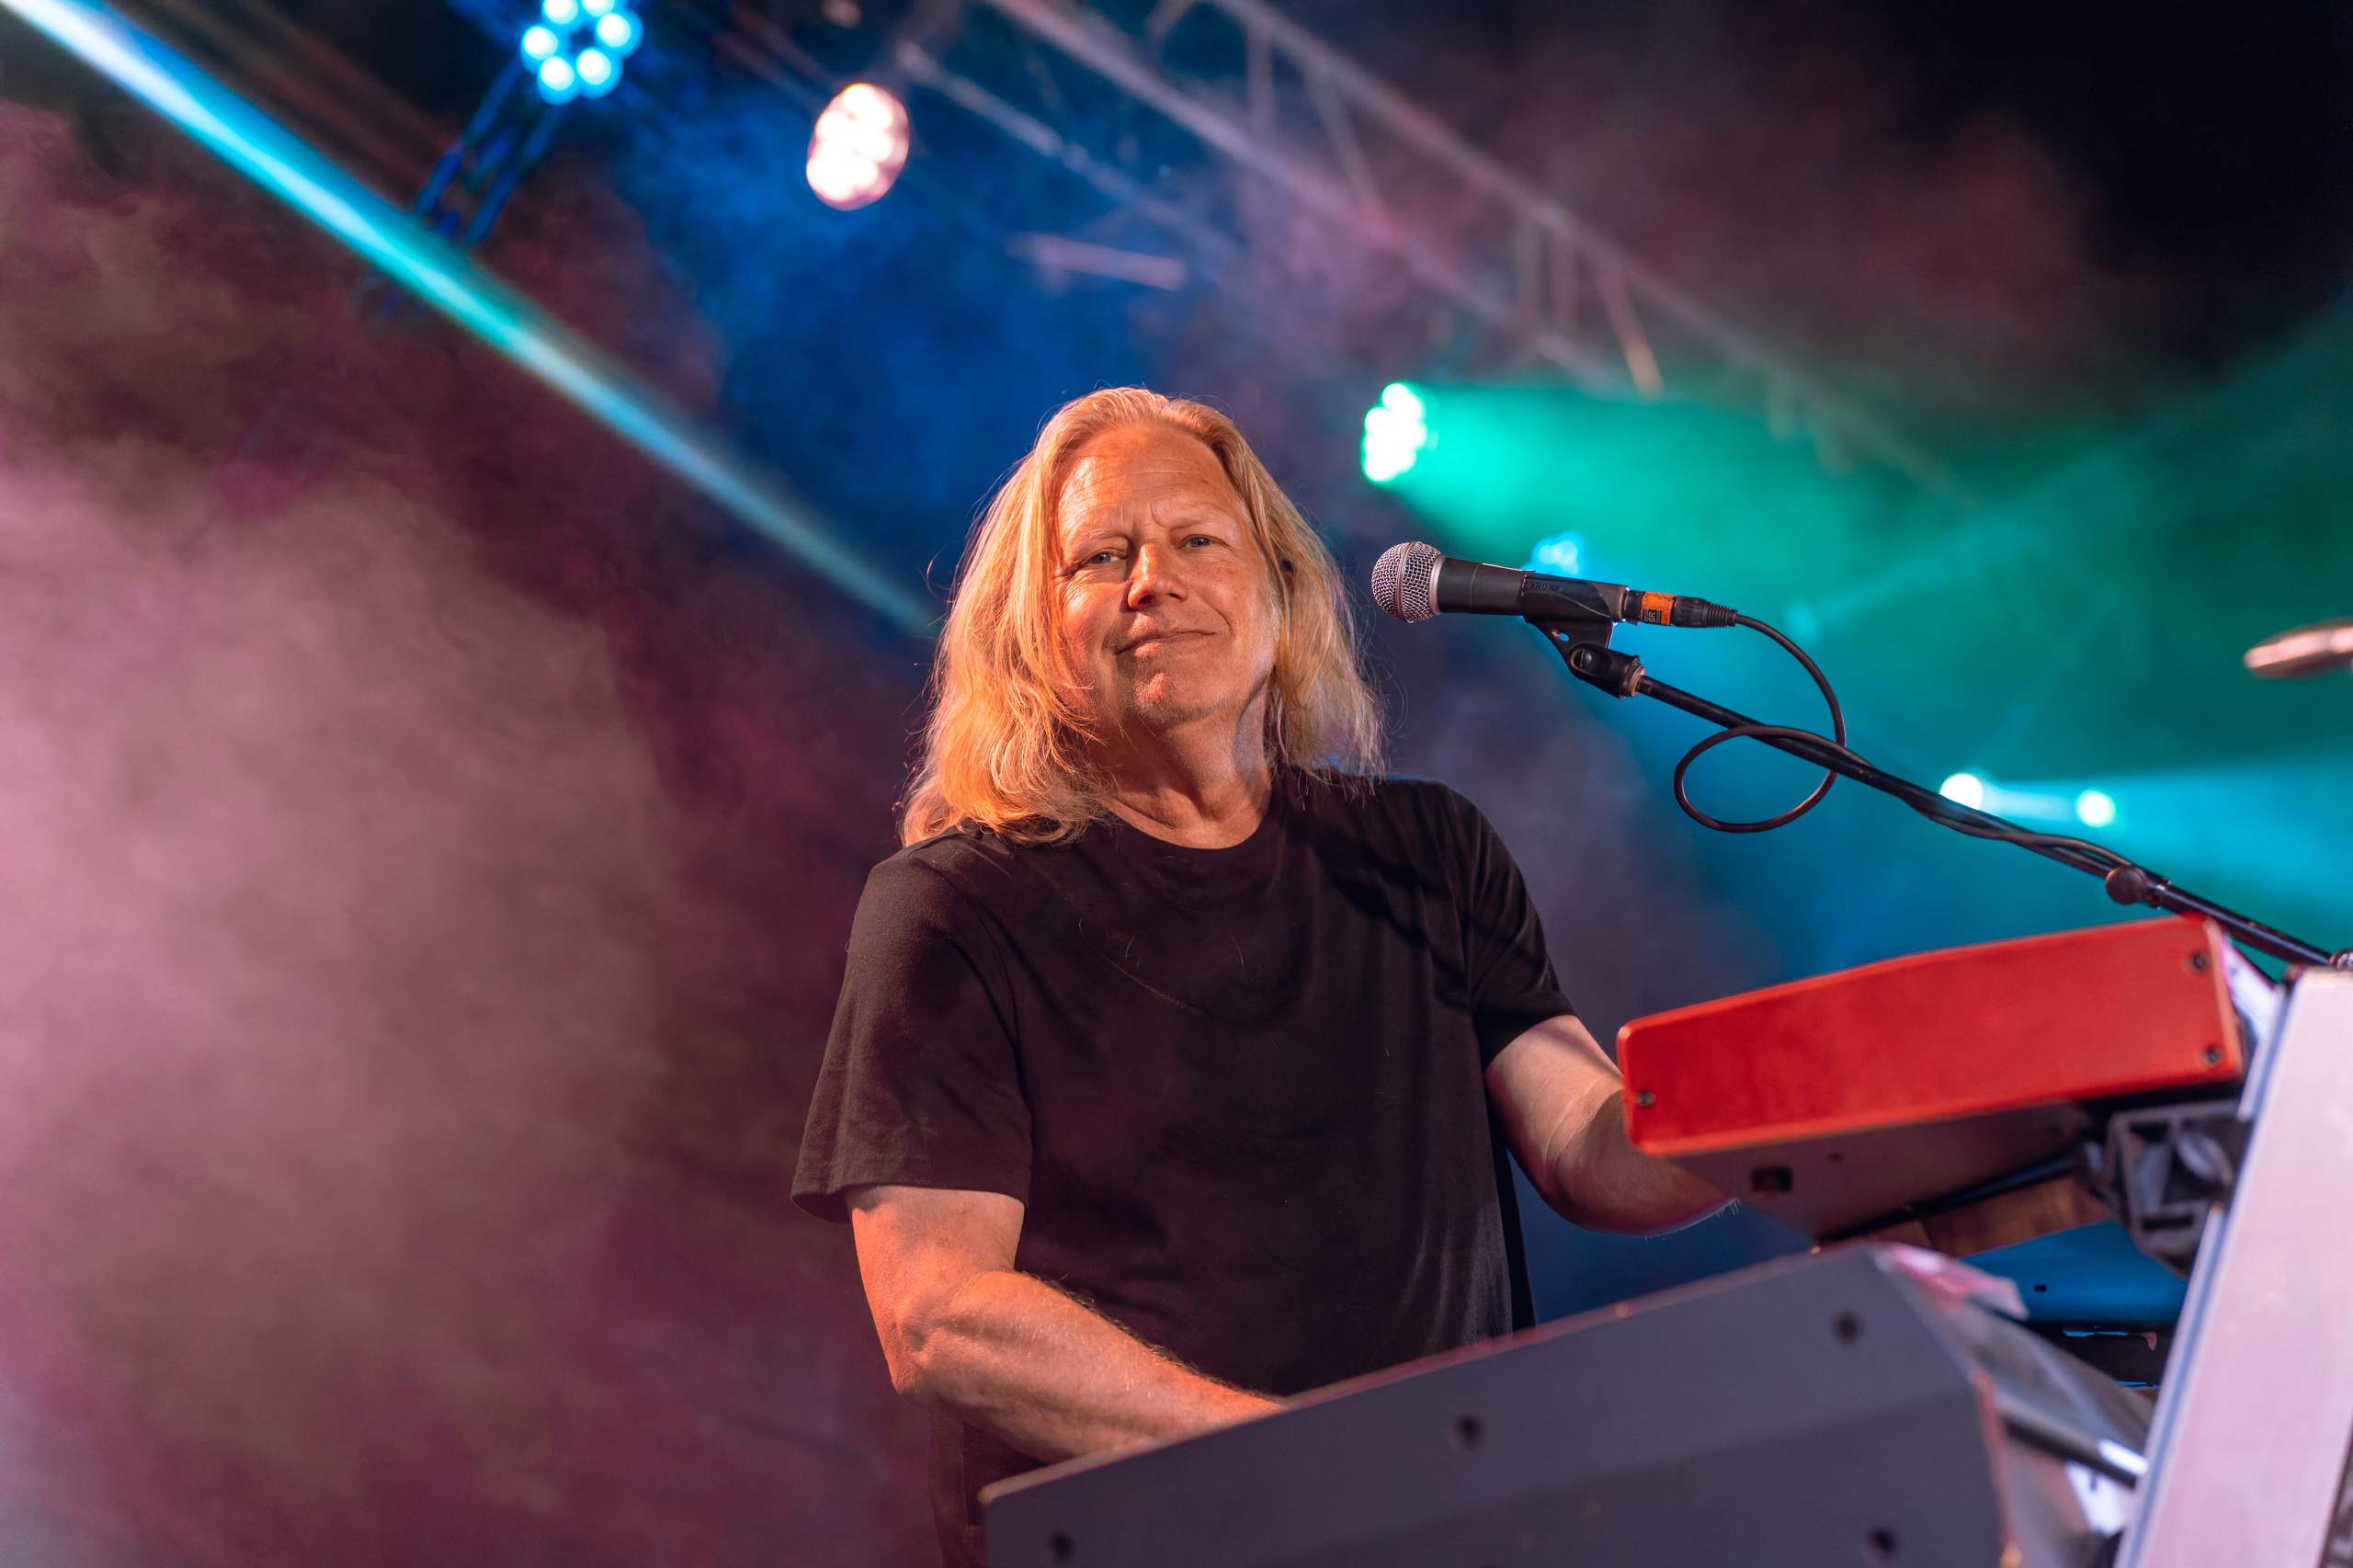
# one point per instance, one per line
(1167, 614)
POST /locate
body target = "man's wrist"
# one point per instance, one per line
(1613, 1186)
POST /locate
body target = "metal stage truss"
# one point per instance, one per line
(1291, 110)
(1275, 102)
(1284, 106)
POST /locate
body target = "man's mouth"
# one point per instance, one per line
(1150, 638)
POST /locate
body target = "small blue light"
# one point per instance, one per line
(560, 13)
(618, 32)
(597, 73)
(1561, 555)
(2095, 808)
(540, 43)
(558, 81)
(1964, 789)
(596, 8)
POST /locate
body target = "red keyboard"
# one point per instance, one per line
(1833, 1102)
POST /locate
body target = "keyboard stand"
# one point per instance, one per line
(2250, 1455)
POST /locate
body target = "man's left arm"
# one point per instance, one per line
(1563, 1107)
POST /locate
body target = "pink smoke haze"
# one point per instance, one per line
(425, 885)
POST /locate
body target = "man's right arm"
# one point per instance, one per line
(965, 1333)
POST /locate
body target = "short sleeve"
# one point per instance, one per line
(921, 1083)
(1513, 987)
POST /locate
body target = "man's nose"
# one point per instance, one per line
(1156, 576)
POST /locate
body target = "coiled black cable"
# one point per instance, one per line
(1952, 815)
(1760, 731)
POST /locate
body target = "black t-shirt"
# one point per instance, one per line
(1241, 1091)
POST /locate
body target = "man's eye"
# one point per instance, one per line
(1101, 556)
(1203, 538)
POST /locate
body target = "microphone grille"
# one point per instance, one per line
(1404, 580)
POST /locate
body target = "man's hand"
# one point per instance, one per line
(1562, 1106)
(1007, 1352)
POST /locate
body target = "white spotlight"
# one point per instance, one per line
(859, 147)
(1964, 789)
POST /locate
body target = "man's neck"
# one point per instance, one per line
(1203, 797)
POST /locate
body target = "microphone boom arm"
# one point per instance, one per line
(1583, 643)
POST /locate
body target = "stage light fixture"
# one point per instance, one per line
(576, 47)
(1396, 431)
(1964, 789)
(2095, 807)
(859, 146)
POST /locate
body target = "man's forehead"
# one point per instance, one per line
(1143, 467)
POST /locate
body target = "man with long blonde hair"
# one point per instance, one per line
(1172, 1047)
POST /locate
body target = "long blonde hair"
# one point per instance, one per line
(1006, 747)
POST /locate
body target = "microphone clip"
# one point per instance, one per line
(1583, 643)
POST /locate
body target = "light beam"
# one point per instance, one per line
(412, 256)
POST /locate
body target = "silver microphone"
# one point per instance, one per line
(1415, 582)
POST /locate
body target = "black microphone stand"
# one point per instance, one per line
(1583, 643)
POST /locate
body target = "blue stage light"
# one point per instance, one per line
(2095, 807)
(585, 41)
(1964, 789)
(597, 73)
(1561, 555)
(558, 81)
(618, 32)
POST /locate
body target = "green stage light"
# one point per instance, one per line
(1396, 431)
(1659, 490)
(2095, 807)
